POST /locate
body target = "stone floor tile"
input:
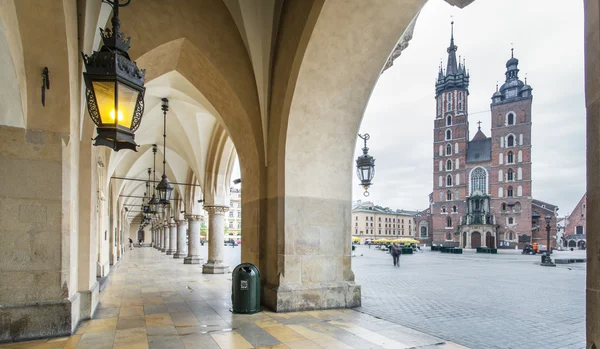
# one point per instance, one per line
(306, 332)
(101, 325)
(165, 342)
(177, 307)
(72, 342)
(152, 300)
(199, 341)
(256, 335)
(106, 313)
(137, 310)
(155, 309)
(284, 334)
(96, 340)
(131, 337)
(231, 340)
(167, 330)
(124, 323)
(133, 301)
(276, 346)
(327, 342)
(307, 344)
(158, 320)
(184, 318)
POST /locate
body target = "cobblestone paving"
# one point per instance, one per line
(480, 301)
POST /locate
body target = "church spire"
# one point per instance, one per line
(452, 68)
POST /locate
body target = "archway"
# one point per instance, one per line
(572, 243)
(490, 240)
(475, 239)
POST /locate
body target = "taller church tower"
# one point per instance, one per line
(450, 137)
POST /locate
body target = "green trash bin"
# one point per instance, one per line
(245, 289)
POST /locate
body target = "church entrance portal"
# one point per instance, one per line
(490, 240)
(475, 239)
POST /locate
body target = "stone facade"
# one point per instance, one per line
(371, 222)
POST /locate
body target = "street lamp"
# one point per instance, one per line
(114, 88)
(546, 260)
(164, 187)
(365, 166)
(154, 202)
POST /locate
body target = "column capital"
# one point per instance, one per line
(180, 221)
(172, 225)
(193, 217)
(216, 209)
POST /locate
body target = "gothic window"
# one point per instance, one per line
(449, 195)
(441, 151)
(448, 149)
(479, 180)
(500, 159)
(423, 232)
(448, 134)
(509, 192)
(456, 163)
(449, 181)
(449, 101)
(500, 175)
(440, 183)
(454, 209)
(519, 174)
(511, 220)
(510, 158)
(443, 209)
(460, 101)
(500, 192)
(510, 175)
(449, 222)
(510, 119)
(441, 165)
(519, 191)
(448, 165)
(503, 206)
(520, 156)
(510, 141)
(448, 120)
(448, 236)
(511, 235)
(456, 148)
(457, 181)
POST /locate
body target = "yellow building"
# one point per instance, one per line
(370, 222)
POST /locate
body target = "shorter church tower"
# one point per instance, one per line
(511, 156)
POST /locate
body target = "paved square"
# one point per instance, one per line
(477, 300)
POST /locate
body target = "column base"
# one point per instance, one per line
(178, 255)
(170, 252)
(163, 249)
(211, 268)
(192, 260)
(287, 298)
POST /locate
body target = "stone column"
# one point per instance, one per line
(216, 230)
(167, 236)
(172, 238)
(193, 256)
(163, 237)
(469, 240)
(181, 245)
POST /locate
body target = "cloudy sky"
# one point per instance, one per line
(548, 41)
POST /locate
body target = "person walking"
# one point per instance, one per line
(395, 252)
(130, 244)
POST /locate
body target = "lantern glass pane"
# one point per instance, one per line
(105, 98)
(127, 100)
(365, 173)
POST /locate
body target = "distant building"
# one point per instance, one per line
(482, 186)
(373, 222)
(233, 218)
(575, 234)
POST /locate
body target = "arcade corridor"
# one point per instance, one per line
(152, 301)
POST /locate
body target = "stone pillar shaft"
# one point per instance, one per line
(172, 248)
(163, 238)
(216, 230)
(193, 256)
(181, 234)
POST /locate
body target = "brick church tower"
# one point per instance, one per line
(450, 137)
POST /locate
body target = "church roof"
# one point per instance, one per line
(479, 149)
(479, 136)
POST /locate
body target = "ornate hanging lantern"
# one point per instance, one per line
(365, 166)
(154, 203)
(164, 187)
(114, 88)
